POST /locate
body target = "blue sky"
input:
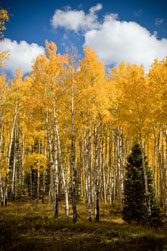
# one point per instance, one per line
(134, 31)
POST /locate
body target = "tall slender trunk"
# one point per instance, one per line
(165, 173)
(73, 181)
(87, 173)
(145, 180)
(9, 157)
(163, 180)
(105, 169)
(31, 188)
(38, 173)
(1, 190)
(119, 167)
(96, 180)
(14, 164)
(121, 171)
(50, 149)
(55, 166)
(109, 167)
(62, 173)
(160, 168)
(44, 174)
(81, 167)
(1, 140)
(73, 168)
(115, 169)
(50, 155)
(22, 158)
(154, 160)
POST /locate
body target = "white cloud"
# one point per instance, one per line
(95, 8)
(76, 19)
(21, 55)
(116, 41)
(159, 21)
(138, 13)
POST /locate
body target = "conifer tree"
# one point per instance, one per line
(134, 202)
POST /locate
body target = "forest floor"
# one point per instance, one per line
(25, 226)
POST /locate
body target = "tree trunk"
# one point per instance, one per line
(1, 190)
(31, 189)
(73, 154)
(145, 180)
(44, 174)
(163, 180)
(14, 165)
(109, 167)
(38, 173)
(62, 173)
(96, 180)
(22, 158)
(165, 173)
(121, 174)
(1, 187)
(154, 161)
(105, 169)
(87, 173)
(55, 166)
(9, 157)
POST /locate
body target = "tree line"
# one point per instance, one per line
(66, 130)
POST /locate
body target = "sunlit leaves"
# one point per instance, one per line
(35, 161)
(3, 18)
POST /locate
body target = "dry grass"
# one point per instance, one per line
(25, 226)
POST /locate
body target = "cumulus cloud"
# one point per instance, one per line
(76, 19)
(21, 55)
(114, 40)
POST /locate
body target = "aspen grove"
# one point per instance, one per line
(66, 130)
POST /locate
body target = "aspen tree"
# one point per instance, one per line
(3, 93)
(73, 169)
(9, 158)
(134, 106)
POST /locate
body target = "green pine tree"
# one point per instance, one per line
(134, 202)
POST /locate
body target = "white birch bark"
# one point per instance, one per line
(88, 173)
(73, 154)
(165, 209)
(50, 149)
(14, 165)
(22, 157)
(154, 160)
(62, 173)
(1, 190)
(1, 186)
(121, 174)
(38, 173)
(55, 165)
(96, 180)
(1, 143)
(145, 180)
(109, 183)
(44, 174)
(105, 169)
(9, 157)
